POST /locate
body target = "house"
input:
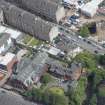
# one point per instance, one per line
(5, 42)
(47, 9)
(6, 62)
(29, 71)
(67, 73)
(28, 22)
(7, 98)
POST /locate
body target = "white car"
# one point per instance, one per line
(80, 37)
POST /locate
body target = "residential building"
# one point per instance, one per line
(67, 73)
(47, 9)
(28, 22)
(6, 62)
(29, 71)
(5, 42)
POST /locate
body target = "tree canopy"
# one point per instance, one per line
(87, 59)
(84, 31)
(47, 97)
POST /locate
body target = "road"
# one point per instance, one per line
(86, 44)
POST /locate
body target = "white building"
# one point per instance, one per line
(75, 51)
(71, 2)
(90, 9)
(6, 36)
(54, 51)
(14, 34)
(7, 61)
(5, 42)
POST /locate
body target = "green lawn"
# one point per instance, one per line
(56, 90)
(27, 39)
(34, 42)
(31, 41)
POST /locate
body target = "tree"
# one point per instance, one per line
(34, 95)
(102, 59)
(55, 99)
(84, 31)
(87, 59)
(77, 95)
(93, 100)
(46, 78)
(48, 98)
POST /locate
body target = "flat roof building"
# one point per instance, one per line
(90, 8)
(14, 34)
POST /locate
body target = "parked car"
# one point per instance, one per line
(96, 51)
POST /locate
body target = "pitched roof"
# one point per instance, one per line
(57, 68)
(31, 68)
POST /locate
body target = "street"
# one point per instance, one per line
(86, 44)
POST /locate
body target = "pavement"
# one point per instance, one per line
(86, 44)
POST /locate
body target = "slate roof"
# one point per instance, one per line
(57, 68)
(31, 68)
(9, 99)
